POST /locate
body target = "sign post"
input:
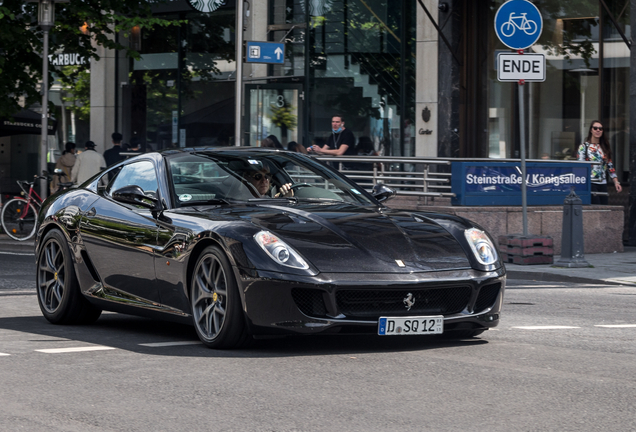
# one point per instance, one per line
(518, 24)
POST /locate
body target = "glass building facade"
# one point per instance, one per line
(355, 58)
(362, 59)
(358, 58)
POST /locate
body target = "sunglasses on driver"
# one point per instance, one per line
(258, 176)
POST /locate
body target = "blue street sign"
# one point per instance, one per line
(518, 24)
(264, 52)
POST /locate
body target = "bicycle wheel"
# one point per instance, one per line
(19, 219)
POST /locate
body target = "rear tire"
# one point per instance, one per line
(19, 219)
(59, 296)
(216, 303)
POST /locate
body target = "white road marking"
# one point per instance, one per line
(165, 344)
(512, 286)
(3, 354)
(74, 349)
(17, 253)
(616, 325)
(545, 327)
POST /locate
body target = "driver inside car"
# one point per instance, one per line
(262, 181)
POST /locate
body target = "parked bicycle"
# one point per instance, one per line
(19, 214)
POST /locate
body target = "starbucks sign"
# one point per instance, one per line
(206, 5)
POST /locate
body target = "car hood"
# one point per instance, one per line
(349, 238)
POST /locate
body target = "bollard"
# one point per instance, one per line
(572, 250)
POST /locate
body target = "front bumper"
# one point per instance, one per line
(276, 303)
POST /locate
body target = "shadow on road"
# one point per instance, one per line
(128, 332)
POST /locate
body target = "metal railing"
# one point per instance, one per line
(408, 175)
(413, 175)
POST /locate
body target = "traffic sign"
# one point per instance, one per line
(518, 24)
(515, 67)
(264, 52)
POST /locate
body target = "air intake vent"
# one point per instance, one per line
(487, 297)
(310, 302)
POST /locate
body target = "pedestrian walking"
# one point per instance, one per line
(87, 164)
(112, 155)
(65, 163)
(596, 148)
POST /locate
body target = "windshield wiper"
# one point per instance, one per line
(313, 199)
(292, 199)
(208, 201)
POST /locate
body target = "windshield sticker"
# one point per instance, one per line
(355, 191)
(254, 162)
(185, 197)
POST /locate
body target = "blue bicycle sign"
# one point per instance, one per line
(518, 24)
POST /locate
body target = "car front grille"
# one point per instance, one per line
(376, 303)
(487, 297)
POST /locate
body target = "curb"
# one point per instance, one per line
(8, 245)
(551, 277)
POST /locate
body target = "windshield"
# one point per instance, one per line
(227, 176)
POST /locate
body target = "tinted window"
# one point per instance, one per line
(235, 175)
(140, 174)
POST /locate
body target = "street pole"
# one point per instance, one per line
(238, 134)
(44, 147)
(522, 142)
(632, 134)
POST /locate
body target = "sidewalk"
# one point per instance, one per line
(609, 268)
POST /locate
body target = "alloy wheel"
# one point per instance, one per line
(209, 303)
(51, 276)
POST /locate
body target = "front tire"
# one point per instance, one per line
(59, 296)
(216, 302)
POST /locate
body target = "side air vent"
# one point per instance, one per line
(487, 297)
(90, 266)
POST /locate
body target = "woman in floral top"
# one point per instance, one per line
(596, 148)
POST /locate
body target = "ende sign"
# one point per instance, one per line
(67, 59)
(515, 67)
(499, 183)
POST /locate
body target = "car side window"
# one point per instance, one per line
(140, 174)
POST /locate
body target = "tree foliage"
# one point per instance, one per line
(21, 41)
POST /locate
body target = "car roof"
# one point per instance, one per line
(223, 149)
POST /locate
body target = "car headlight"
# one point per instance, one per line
(482, 247)
(279, 251)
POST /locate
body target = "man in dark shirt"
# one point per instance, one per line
(112, 155)
(341, 141)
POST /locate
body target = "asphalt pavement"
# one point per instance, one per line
(618, 268)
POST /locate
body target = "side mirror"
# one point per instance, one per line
(136, 196)
(382, 192)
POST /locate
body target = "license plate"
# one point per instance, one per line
(417, 325)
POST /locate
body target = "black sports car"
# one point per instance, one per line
(244, 242)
